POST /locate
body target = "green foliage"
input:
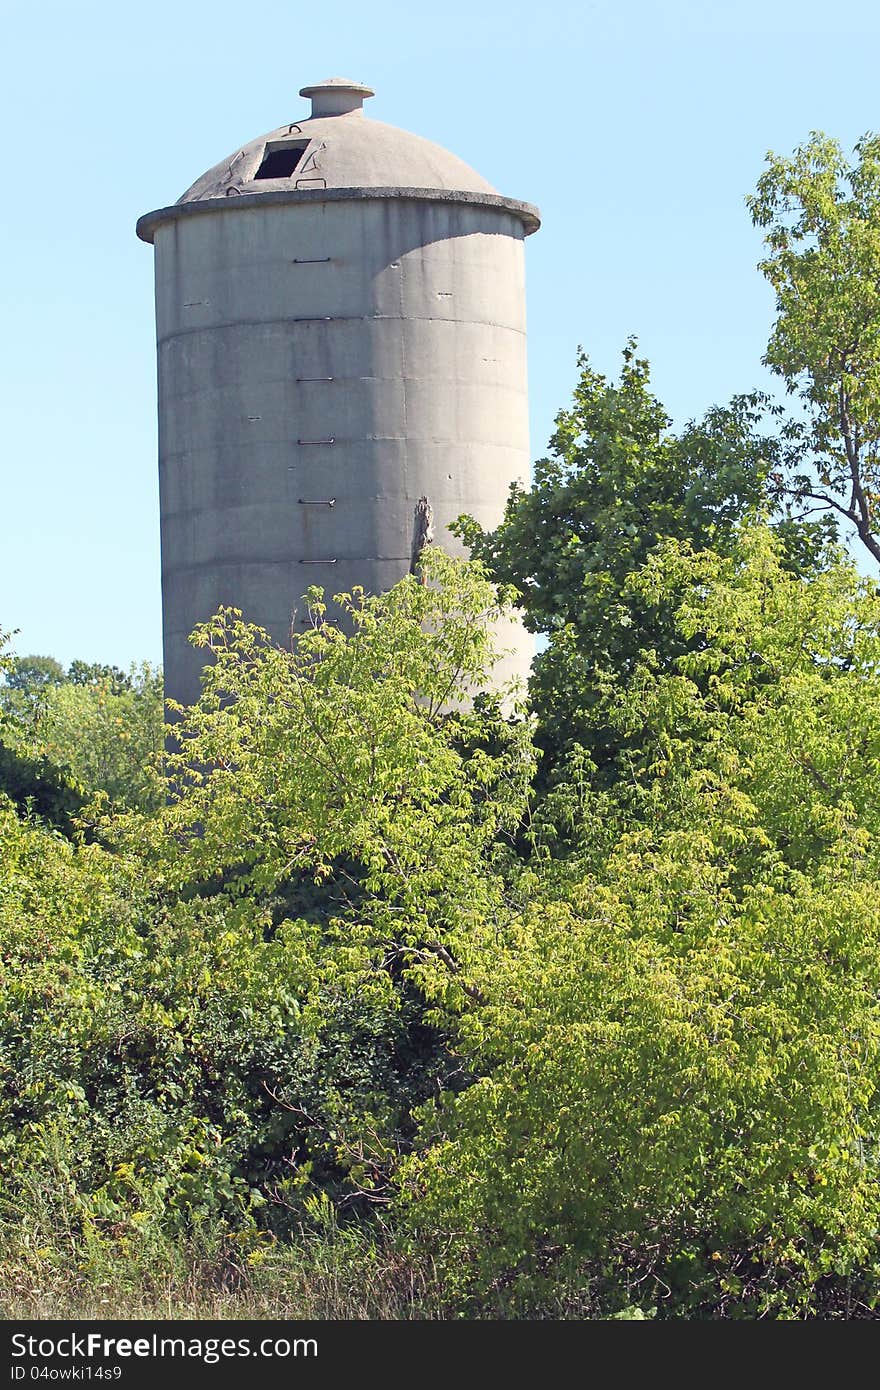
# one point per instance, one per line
(28, 776)
(98, 673)
(677, 1086)
(203, 1053)
(34, 784)
(108, 731)
(611, 1050)
(185, 1061)
(357, 749)
(821, 215)
(345, 968)
(65, 738)
(33, 673)
(677, 1050)
(618, 482)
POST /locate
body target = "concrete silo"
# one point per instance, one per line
(340, 313)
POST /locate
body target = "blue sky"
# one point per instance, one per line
(637, 128)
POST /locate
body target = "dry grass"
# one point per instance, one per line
(50, 1269)
(291, 1294)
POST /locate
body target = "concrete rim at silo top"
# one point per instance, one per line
(527, 213)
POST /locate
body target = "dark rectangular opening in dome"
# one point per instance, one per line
(280, 161)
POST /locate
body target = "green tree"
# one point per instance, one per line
(677, 1038)
(65, 738)
(367, 747)
(97, 673)
(28, 680)
(617, 482)
(108, 731)
(821, 215)
(28, 776)
(32, 673)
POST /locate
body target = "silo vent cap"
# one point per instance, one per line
(337, 96)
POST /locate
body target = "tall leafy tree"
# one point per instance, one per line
(820, 212)
(32, 673)
(617, 481)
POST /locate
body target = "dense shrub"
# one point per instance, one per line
(349, 967)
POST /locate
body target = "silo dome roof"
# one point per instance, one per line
(338, 148)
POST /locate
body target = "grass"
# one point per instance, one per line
(53, 1265)
(317, 1276)
(50, 1269)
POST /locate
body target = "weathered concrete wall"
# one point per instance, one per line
(369, 351)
